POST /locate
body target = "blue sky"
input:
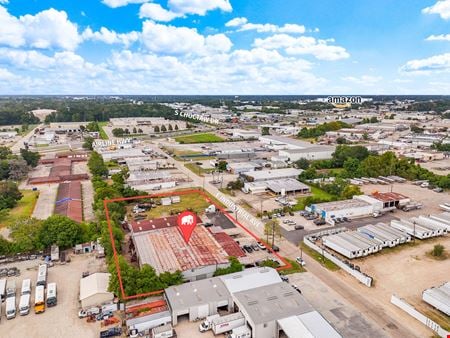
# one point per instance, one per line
(224, 47)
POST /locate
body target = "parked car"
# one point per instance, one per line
(346, 219)
(248, 248)
(255, 247)
(299, 227)
(319, 221)
(438, 190)
(261, 246)
(104, 315)
(112, 332)
(284, 278)
(300, 261)
(275, 248)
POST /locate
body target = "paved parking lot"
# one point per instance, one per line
(46, 201)
(61, 320)
(343, 316)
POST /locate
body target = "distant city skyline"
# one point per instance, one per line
(220, 47)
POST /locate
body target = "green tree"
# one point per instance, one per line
(176, 127)
(222, 165)
(5, 153)
(25, 233)
(170, 127)
(118, 132)
(87, 144)
(351, 166)
(235, 266)
(97, 166)
(271, 229)
(134, 130)
(18, 169)
(438, 250)
(350, 191)
(93, 127)
(343, 152)
(156, 129)
(302, 163)
(9, 195)
(60, 230)
(265, 131)
(163, 128)
(32, 158)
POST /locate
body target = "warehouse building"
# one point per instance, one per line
(316, 152)
(148, 315)
(121, 155)
(359, 206)
(68, 201)
(198, 299)
(278, 308)
(279, 187)
(438, 297)
(241, 167)
(60, 170)
(159, 243)
(391, 200)
(94, 290)
(274, 174)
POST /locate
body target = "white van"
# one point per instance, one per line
(24, 304)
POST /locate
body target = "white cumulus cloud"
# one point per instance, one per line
(442, 8)
(45, 30)
(303, 45)
(199, 7)
(110, 37)
(166, 39)
(157, 12)
(243, 25)
(441, 37)
(436, 63)
(121, 3)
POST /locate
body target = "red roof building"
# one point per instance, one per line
(68, 201)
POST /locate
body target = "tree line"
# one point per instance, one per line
(357, 161)
(322, 129)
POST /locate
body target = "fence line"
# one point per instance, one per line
(402, 304)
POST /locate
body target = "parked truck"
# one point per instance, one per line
(206, 324)
(164, 331)
(411, 206)
(11, 288)
(24, 304)
(225, 323)
(3, 289)
(240, 332)
(10, 307)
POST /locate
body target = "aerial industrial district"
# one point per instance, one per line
(322, 223)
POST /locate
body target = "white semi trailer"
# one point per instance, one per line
(223, 324)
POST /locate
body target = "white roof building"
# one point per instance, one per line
(250, 279)
(94, 290)
(274, 174)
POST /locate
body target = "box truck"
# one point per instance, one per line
(225, 323)
(240, 332)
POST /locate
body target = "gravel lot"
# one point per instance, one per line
(61, 320)
(46, 201)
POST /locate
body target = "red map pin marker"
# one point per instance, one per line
(187, 221)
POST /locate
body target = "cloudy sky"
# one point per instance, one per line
(224, 47)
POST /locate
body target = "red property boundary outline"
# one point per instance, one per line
(286, 265)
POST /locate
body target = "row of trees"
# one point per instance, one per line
(357, 161)
(322, 129)
(32, 235)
